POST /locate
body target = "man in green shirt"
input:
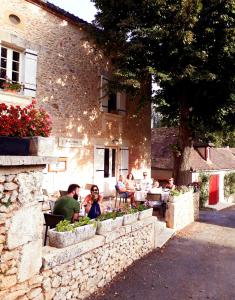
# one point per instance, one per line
(67, 206)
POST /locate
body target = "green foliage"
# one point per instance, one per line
(64, 225)
(186, 47)
(180, 190)
(129, 210)
(142, 207)
(229, 184)
(106, 216)
(82, 221)
(204, 189)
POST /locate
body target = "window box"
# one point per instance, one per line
(109, 225)
(67, 238)
(130, 218)
(145, 213)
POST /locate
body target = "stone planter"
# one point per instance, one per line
(130, 218)
(14, 146)
(42, 146)
(109, 225)
(67, 238)
(37, 145)
(145, 213)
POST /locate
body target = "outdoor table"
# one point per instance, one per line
(140, 196)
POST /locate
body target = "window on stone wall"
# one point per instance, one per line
(10, 65)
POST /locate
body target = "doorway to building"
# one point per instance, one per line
(214, 189)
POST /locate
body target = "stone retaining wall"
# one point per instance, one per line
(182, 210)
(79, 270)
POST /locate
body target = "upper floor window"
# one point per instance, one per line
(111, 102)
(10, 65)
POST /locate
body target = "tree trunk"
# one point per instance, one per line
(182, 172)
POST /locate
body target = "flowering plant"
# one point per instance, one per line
(12, 86)
(24, 121)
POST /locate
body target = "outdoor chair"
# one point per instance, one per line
(51, 222)
(63, 193)
(159, 203)
(121, 196)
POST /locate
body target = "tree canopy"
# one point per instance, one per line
(188, 48)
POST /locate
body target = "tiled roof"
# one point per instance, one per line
(162, 158)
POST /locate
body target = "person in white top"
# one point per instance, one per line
(146, 183)
(156, 189)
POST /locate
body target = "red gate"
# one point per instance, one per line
(214, 189)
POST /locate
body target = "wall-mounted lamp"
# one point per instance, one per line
(115, 141)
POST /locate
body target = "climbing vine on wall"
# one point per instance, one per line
(204, 189)
(229, 184)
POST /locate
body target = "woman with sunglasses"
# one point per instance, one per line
(92, 202)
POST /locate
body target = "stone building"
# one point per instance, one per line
(96, 136)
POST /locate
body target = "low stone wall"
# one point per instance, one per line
(77, 271)
(182, 210)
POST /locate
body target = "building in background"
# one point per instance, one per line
(96, 135)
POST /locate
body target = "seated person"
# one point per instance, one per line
(170, 185)
(130, 183)
(145, 183)
(67, 205)
(156, 188)
(92, 202)
(121, 187)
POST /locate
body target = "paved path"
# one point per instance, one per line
(198, 263)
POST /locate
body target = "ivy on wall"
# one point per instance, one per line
(229, 184)
(204, 189)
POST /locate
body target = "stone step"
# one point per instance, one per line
(164, 236)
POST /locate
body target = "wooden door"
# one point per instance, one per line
(214, 189)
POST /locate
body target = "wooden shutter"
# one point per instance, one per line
(30, 72)
(121, 103)
(99, 167)
(104, 97)
(124, 155)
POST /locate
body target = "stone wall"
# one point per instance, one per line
(21, 225)
(79, 270)
(182, 210)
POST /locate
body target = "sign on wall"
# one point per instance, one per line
(59, 166)
(69, 142)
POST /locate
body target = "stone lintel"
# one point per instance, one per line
(12, 161)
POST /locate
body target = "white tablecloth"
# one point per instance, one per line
(140, 196)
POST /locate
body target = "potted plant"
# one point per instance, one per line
(10, 86)
(109, 221)
(66, 234)
(144, 211)
(130, 215)
(19, 127)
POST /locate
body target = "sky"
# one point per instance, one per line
(84, 9)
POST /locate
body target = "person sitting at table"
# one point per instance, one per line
(121, 187)
(130, 183)
(170, 185)
(92, 202)
(156, 189)
(145, 183)
(67, 205)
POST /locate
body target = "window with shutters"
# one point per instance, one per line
(114, 103)
(10, 65)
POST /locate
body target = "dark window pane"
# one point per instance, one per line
(15, 66)
(3, 63)
(15, 77)
(106, 163)
(1, 83)
(16, 56)
(3, 52)
(113, 162)
(112, 103)
(3, 73)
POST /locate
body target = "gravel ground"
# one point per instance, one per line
(198, 263)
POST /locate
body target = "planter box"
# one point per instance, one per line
(130, 218)
(40, 146)
(145, 213)
(14, 146)
(67, 238)
(109, 225)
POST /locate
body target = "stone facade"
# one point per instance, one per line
(69, 70)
